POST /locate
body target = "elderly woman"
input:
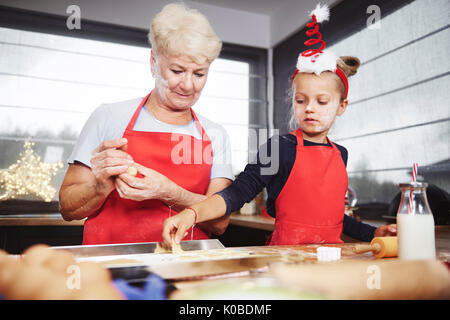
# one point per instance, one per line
(180, 157)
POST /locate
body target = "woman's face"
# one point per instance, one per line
(316, 103)
(179, 80)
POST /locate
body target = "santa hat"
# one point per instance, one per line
(317, 60)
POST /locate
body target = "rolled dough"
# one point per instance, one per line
(176, 248)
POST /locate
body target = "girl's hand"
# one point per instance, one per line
(386, 231)
(153, 185)
(176, 227)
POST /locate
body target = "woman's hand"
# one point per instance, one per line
(386, 231)
(153, 185)
(176, 227)
(109, 159)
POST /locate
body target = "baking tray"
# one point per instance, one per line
(136, 274)
(135, 248)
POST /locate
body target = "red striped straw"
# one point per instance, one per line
(414, 176)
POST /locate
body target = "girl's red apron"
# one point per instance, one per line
(310, 207)
(127, 221)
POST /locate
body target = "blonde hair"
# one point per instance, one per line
(180, 30)
(348, 64)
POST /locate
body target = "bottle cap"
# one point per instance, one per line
(414, 184)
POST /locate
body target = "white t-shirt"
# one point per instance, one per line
(109, 121)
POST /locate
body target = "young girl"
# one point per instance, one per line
(306, 194)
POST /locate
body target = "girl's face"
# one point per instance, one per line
(179, 80)
(317, 102)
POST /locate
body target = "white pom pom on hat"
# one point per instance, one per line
(322, 13)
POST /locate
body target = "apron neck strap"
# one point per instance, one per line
(200, 128)
(136, 113)
(299, 135)
(332, 144)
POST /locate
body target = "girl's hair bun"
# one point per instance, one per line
(349, 65)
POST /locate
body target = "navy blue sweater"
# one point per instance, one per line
(258, 175)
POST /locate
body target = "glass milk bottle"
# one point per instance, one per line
(415, 223)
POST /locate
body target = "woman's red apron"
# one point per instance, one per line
(127, 221)
(310, 207)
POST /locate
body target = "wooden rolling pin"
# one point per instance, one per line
(382, 247)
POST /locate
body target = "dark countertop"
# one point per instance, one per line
(37, 219)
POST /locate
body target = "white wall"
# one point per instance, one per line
(402, 85)
(231, 26)
(290, 17)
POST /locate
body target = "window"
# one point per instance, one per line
(50, 84)
(399, 111)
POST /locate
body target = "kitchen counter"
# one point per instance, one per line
(260, 227)
(18, 231)
(253, 221)
(42, 219)
(268, 223)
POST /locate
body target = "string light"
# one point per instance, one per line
(29, 176)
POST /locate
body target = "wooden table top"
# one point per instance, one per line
(309, 256)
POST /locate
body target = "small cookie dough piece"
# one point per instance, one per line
(132, 171)
(160, 249)
(176, 248)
